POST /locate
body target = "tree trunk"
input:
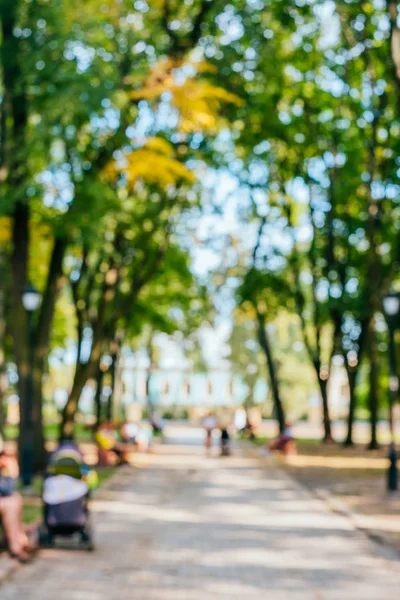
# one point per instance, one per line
(39, 448)
(82, 374)
(351, 375)
(110, 400)
(118, 409)
(113, 405)
(374, 385)
(19, 262)
(249, 400)
(393, 13)
(71, 407)
(352, 372)
(2, 338)
(53, 287)
(14, 172)
(147, 390)
(97, 398)
(323, 386)
(266, 346)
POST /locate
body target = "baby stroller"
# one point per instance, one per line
(65, 497)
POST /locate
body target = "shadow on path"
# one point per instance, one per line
(183, 526)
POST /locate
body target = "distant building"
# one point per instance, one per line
(178, 387)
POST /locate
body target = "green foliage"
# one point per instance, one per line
(318, 145)
(111, 112)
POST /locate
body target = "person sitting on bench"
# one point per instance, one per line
(18, 543)
(108, 443)
(285, 442)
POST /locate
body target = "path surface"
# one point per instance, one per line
(181, 526)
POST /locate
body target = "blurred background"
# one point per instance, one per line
(200, 208)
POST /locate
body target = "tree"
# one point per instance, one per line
(68, 76)
(321, 133)
(261, 291)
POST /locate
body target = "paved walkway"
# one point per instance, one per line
(194, 528)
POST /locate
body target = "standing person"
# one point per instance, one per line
(225, 450)
(209, 424)
(224, 423)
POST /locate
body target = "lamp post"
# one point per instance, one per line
(391, 307)
(31, 300)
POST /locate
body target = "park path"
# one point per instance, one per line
(182, 526)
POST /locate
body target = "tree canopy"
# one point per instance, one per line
(115, 119)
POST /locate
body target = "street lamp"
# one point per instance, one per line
(31, 299)
(391, 307)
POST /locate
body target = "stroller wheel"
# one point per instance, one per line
(87, 540)
(45, 538)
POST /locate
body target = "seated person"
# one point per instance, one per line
(284, 442)
(18, 543)
(107, 440)
(248, 429)
(144, 437)
(129, 432)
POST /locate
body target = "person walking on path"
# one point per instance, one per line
(209, 424)
(224, 423)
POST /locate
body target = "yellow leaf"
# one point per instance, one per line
(160, 145)
(197, 101)
(154, 163)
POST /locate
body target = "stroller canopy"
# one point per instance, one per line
(66, 460)
(62, 488)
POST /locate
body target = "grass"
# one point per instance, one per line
(51, 431)
(31, 512)
(261, 440)
(355, 476)
(327, 465)
(105, 473)
(36, 488)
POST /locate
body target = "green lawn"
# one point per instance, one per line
(83, 434)
(105, 473)
(31, 512)
(261, 440)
